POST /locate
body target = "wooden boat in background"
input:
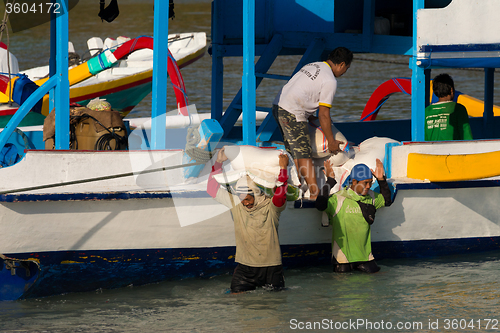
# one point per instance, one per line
(123, 85)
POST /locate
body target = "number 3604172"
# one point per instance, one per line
(487, 324)
(32, 8)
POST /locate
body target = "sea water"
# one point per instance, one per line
(445, 294)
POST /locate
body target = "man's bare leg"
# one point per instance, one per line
(305, 168)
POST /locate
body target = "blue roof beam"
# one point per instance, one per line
(269, 128)
(263, 64)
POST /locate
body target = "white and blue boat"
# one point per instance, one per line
(83, 220)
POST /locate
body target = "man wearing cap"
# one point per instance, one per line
(351, 211)
(256, 219)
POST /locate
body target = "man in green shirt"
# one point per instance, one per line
(446, 119)
(351, 211)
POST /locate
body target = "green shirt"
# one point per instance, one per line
(351, 233)
(447, 121)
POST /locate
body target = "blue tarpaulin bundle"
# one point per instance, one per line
(9, 155)
(23, 88)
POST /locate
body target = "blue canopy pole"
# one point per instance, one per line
(417, 84)
(217, 62)
(160, 58)
(23, 110)
(248, 84)
(52, 59)
(368, 24)
(61, 92)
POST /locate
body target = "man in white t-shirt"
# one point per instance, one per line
(312, 88)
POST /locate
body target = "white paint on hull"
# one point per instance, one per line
(56, 167)
(439, 214)
(186, 217)
(134, 224)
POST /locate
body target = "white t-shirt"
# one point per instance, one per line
(313, 85)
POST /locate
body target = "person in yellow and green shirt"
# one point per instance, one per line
(446, 120)
(351, 212)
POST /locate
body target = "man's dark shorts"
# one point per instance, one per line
(295, 133)
(364, 266)
(249, 278)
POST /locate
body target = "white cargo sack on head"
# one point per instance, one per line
(260, 164)
(366, 153)
(319, 144)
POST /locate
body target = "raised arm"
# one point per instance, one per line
(324, 194)
(279, 198)
(212, 185)
(379, 173)
(326, 126)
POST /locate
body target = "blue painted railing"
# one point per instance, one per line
(25, 108)
(160, 58)
(58, 84)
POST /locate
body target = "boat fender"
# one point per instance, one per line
(101, 62)
(122, 39)
(95, 45)
(110, 44)
(262, 166)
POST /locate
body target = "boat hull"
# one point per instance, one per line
(87, 230)
(110, 240)
(79, 271)
(115, 240)
(17, 276)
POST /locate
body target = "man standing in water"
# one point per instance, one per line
(351, 212)
(312, 88)
(256, 218)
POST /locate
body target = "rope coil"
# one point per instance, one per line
(192, 140)
(10, 264)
